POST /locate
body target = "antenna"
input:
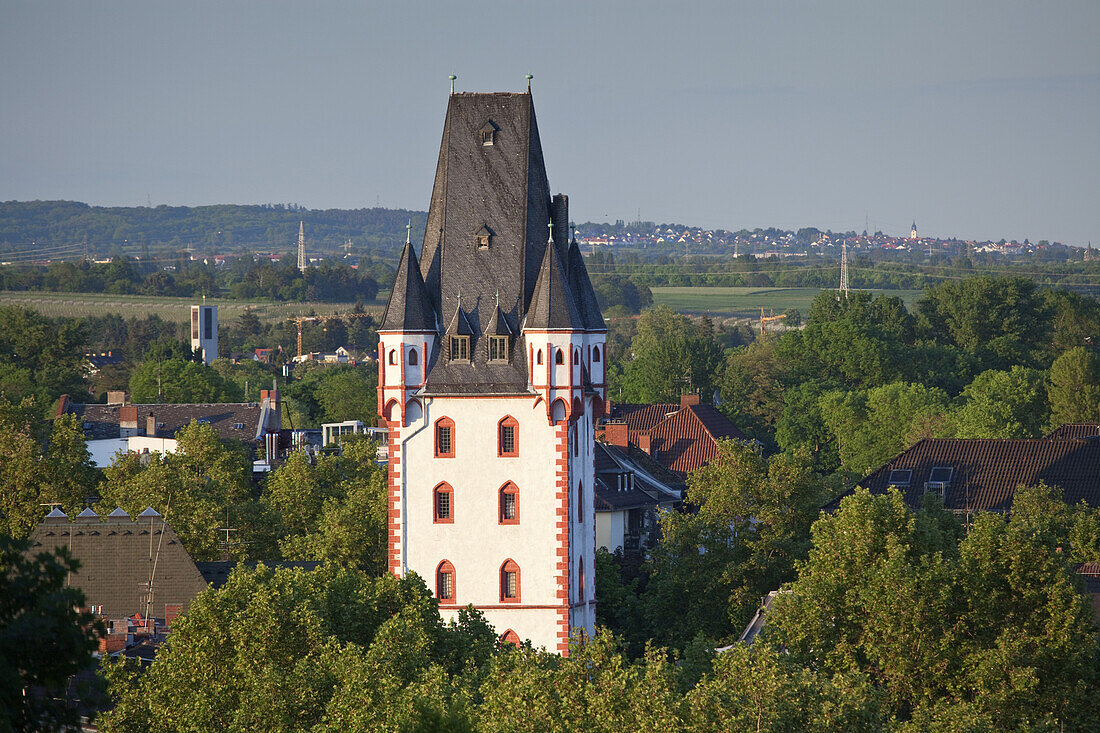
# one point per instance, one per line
(844, 269)
(155, 558)
(452, 77)
(529, 77)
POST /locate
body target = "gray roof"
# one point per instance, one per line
(409, 307)
(102, 421)
(583, 291)
(499, 189)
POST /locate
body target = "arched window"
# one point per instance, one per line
(393, 356)
(445, 581)
(509, 582)
(538, 357)
(412, 357)
(595, 354)
(444, 438)
(508, 437)
(510, 637)
(559, 356)
(443, 504)
(580, 502)
(576, 356)
(557, 410)
(508, 504)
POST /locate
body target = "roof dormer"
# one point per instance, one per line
(484, 237)
(488, 133)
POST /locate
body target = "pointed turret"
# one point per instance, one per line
(583, 291)
(409, 307)
(552, 304)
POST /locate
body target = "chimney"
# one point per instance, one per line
(127, 421)
(151, 426)
(688, 399)
(116, 397)
(644, 442)
(615, 433)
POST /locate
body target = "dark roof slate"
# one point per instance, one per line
(409, 307)
(986, 473)
(102, 421)
(1074, 430)
(583, 291)
(552, 305)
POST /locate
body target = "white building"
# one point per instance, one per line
(204, 331)
(491, 378)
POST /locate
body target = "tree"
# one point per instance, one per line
(179, 381)
(1003, 404)
(248, 323)
(44, 639)
(1074, 387)
(672, 356)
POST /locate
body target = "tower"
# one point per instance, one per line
(301, 246)
(204, 331)
(844, 268)
(913, 231)
(491, 379)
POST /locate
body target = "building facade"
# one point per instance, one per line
(491, 380)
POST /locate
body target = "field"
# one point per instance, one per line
(747, 301)
(171, 309)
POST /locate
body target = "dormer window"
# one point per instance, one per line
(488, 134)
(460, 348)
(483, 238)
(498, 348)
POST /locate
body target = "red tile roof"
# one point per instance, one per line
(687, 439)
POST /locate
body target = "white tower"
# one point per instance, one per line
(301, 246)
(491, 379)
(204, 331)
(913, 231)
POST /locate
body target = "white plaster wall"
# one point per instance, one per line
(476, 544)
(103, 451)
(582, 536)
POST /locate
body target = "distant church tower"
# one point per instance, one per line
(301, 246)
(913, 231)
(491, 379)
(204, 331)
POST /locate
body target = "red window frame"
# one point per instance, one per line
(445, 568)
(509, 489)
(510, 637)
(508, 422)
(509, 567)
(448, 424)
(438, 492)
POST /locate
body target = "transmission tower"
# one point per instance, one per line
(301, 246)
(844, 269)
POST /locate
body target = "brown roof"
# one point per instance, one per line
(984, 474)
(118, 557)
(1074, 430)
(687, 440)
(102, 421)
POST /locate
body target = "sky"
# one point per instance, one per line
(978, 120)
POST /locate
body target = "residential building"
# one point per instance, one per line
(491, 378)
(631, 488)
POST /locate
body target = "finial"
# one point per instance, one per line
(452, 77)
(460, 298)
(529, 77)
(498, 297)
(551, 225)
(408, 231)
(573, 229)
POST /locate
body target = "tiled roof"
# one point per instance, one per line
(216, 573)
(641, 418)
(409, 308)
(117, 559)
(687, 440)
(102, 421)
(1074, 430)
(651, 486)
(1088, 568)
(986, 473)
(552, 303)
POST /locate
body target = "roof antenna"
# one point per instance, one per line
(529, 77)
(408, 231)
(452, 77)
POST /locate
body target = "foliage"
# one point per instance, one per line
(1074, 387)
(331, 393)
(40, 357)
(175, 380)
(671, 356)
(44, 639)
(1003, 404)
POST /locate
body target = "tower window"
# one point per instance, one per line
(538, 357)
(393, 356)
(412, 357)
(580, 503)
(510, 637)
(488, 134)
(508, 438)
(509, 504)
(498, 348)
(445, 581)
(509, 582)
(460, 348)
(443, 500)
(559, 357)
(595, 354)
(444, 438)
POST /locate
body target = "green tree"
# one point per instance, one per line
(1074, 387)
(672, 356)
(178, 381)
(1003, 404)
(44, 639)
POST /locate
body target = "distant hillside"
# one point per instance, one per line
(31, 230)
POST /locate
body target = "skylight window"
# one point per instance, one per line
(941, 475)
(901, 477)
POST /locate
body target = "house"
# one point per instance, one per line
(680, 437)
(973, 475)
(491, 378)
(630, 490)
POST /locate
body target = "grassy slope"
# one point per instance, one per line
(747, 301)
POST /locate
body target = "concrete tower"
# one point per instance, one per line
(204, 331)
(301, 246)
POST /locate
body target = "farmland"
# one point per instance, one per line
(747, 301)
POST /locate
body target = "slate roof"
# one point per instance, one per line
(117, 558)
(102, 421)
(501, 189)
(986, 473)
(652, 485)
(409, 307)
(216, 573)
(687, 439)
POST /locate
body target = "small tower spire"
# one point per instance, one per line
(301, 246)
(529, 77)
(408, 231)
(452, 77)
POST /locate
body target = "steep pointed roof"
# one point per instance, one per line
(409, 307)
(552, 304)
(460, 324)
(583, 290)
(500, 326)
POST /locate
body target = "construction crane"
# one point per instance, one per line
(764, 320)
(299, 320)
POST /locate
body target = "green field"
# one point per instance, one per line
(171, 309)
(747, 301)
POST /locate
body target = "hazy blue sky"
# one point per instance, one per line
(977, 119)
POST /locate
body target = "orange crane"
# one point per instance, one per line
(764, 320)
(324, 319)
